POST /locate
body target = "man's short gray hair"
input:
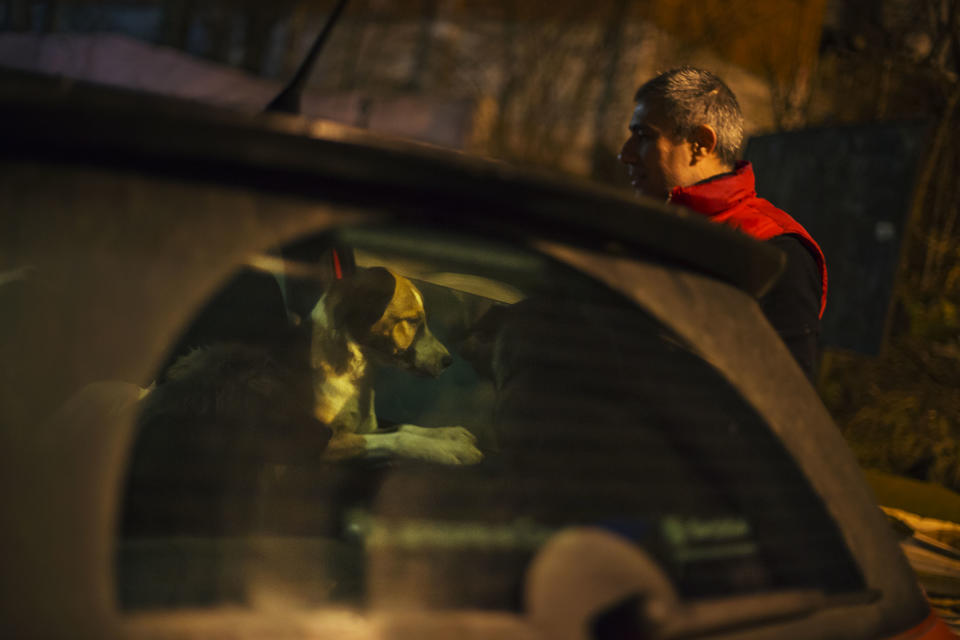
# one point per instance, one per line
(692, 97)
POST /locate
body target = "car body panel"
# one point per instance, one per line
(932, 628)
(110, 127)
(111, 252)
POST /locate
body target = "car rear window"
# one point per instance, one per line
(586, 410)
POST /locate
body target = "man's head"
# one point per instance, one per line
(687, 127)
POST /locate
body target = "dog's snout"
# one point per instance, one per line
(430, 357)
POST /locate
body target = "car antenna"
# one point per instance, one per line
(340, 258)
(288, 100)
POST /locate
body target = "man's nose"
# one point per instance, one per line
(627, 154)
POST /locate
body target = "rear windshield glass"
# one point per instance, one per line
(373, 416)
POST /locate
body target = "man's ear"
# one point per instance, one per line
(703, 140)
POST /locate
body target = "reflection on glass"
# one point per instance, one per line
(262, 475)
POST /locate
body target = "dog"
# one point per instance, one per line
(373, 319)
(316, 378)
(226, 413)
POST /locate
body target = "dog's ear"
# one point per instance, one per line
(361, 300)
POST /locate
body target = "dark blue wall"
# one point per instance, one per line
(851, 188)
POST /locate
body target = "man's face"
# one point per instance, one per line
(656, 159)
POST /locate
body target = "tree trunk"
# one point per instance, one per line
(220, 23)
(259, 20)
(612, 44)
(511, 81)
(19, 12)
(424, 44)
(175, 25)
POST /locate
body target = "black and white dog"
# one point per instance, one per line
(313, 386)
(376, 318)
(225, 413)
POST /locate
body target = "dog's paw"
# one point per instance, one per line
(465, 452)
(442, 450)
(441, 433)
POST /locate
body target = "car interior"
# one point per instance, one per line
(588, 411)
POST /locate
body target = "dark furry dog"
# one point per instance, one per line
(225, 414)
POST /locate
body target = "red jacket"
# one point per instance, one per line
(731, 199)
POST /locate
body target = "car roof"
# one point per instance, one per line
(47, 118)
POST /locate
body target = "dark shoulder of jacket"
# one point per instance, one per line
(792, 306)
(802, 271)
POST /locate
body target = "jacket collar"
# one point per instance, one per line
(717, 194)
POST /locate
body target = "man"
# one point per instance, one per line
(684, 144)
